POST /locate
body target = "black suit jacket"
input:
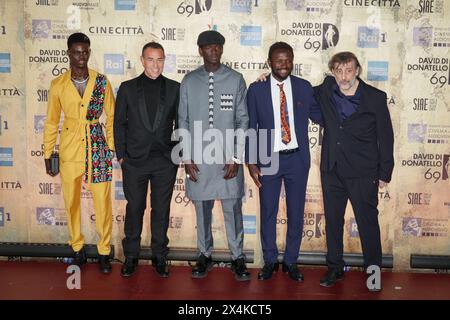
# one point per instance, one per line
(361, 145)
(134, 135)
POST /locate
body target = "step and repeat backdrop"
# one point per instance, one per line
(403, 46)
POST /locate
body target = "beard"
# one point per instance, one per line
(347, 85)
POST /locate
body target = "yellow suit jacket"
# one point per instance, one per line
(63, 96)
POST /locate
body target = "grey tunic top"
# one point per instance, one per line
(214, 101)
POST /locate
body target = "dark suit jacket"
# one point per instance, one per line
(260, 110)
(134, 135)
(362, 144)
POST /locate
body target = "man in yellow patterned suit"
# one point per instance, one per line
(82, 94)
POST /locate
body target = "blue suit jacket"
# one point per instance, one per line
(260, 111)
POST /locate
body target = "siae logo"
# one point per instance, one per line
(188, 7)
(42, 95)
(426, 6)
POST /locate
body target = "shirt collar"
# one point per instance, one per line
(275, 81)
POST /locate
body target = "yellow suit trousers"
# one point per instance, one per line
(72, 177)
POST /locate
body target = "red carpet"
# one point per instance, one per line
(47, 280)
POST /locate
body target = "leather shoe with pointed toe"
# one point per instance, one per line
(79, 258)
(203, 266)
(293, 271)
(267, 270)
(161, 267)
(239, 269)
(105, 264)
(331, 277)
(129, 267)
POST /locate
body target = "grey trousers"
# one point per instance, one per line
(232, 212)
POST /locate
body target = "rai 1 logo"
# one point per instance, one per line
(188, 7)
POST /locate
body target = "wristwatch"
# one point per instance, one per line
(236, 160)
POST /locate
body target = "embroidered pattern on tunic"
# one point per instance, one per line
(101, 155)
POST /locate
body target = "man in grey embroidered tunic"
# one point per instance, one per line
(213, 105)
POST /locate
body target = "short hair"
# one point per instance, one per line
(76, 38)
(280, 46)
(153, 45)
(343, 58)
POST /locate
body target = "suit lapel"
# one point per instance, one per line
(161, 103)
(329, 102)
(295, 97)
(267, 92)
(141, 103)
(89, 88)
(364, 99)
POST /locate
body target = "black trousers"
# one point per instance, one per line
(161, 173)
(363, 195)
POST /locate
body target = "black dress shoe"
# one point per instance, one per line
(331, 277)
(203, 265)
(161, 267)
(129, 267)
(267, 270)
(293, 271)
(105, 265)
(79, 258)
(240, 270)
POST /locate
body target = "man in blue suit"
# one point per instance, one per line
(279, 110)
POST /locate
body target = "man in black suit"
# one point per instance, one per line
(357, 159)
(145, 118)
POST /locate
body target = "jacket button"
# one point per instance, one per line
(338, 142)
(340, 127)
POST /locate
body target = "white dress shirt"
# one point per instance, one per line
(278, 143)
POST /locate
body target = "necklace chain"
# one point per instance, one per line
(78, 81)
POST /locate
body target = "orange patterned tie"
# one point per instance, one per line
(285, 130)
